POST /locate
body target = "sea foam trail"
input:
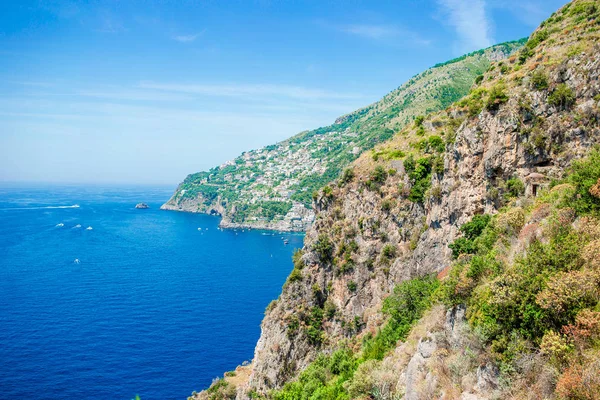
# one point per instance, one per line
(38, 208)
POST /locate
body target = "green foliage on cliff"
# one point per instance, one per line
(404, 307)
(519, 306)
(330, 376)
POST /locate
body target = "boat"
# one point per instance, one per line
(77, 226)
(60, 225)
(286, 241)
(89, 228)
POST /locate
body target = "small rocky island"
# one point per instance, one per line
(142, 206)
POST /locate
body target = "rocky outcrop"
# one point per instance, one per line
(522, 126)
(368, 236)
(142, 206)
(298, 219)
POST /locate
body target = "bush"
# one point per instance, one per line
(351, 286)
(388, 251)
(562, 97)
(496, 97)
(379, 175)
(348, 175)
(584, 176)
(515, 187)
(419, 173)
(539, 80)
(471, 231)
(324, 248)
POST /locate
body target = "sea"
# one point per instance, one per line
(100, 300)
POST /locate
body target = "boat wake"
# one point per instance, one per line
(39, 208)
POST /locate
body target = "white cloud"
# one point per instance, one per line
(249, 90)
(371, 31)
(470, 22)
(391, 34)
(188, 38)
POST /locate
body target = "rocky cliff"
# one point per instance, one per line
(393, 214)
(272, 187)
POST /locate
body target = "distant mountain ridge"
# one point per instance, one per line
(272, 187)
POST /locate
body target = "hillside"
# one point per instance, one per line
(273, 187)
(459, 259)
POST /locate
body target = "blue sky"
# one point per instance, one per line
(147, 92)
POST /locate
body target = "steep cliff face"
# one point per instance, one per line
(272, 187)
(395, 214)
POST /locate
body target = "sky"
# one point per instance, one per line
(146, 92)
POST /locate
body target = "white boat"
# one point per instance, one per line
(89, 228)
(60, 225)
(77, 226)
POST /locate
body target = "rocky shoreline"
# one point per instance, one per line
(299, 219)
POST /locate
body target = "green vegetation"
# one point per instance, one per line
(539, 80)
(334, 376)
(562, 97)
(471, 231)
(404, 307)
(496, 97)
(542, 300)
(419, 173)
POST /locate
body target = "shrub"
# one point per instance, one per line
(580, 382)
(584, 176)
(348, 175)
(462, 246)
(295, 275)
(419, 173)
(351, 286)
(562, 97)
(569, 292)
(388, 251)
(387, 205)
(475, 227)
(471, 231)
(324, 248)
(539, 80)
(379, 175)
(297, 259)
(515, 187)
(496, 97)
(479, 79)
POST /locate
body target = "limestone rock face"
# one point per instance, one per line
(394, 239)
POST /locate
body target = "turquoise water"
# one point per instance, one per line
(158, 304)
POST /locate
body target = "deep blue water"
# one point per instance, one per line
(155, 307)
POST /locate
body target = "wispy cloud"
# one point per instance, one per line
(379, 32)
(371, 31)
(470, 22)
(187, 38)
(250, 90)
